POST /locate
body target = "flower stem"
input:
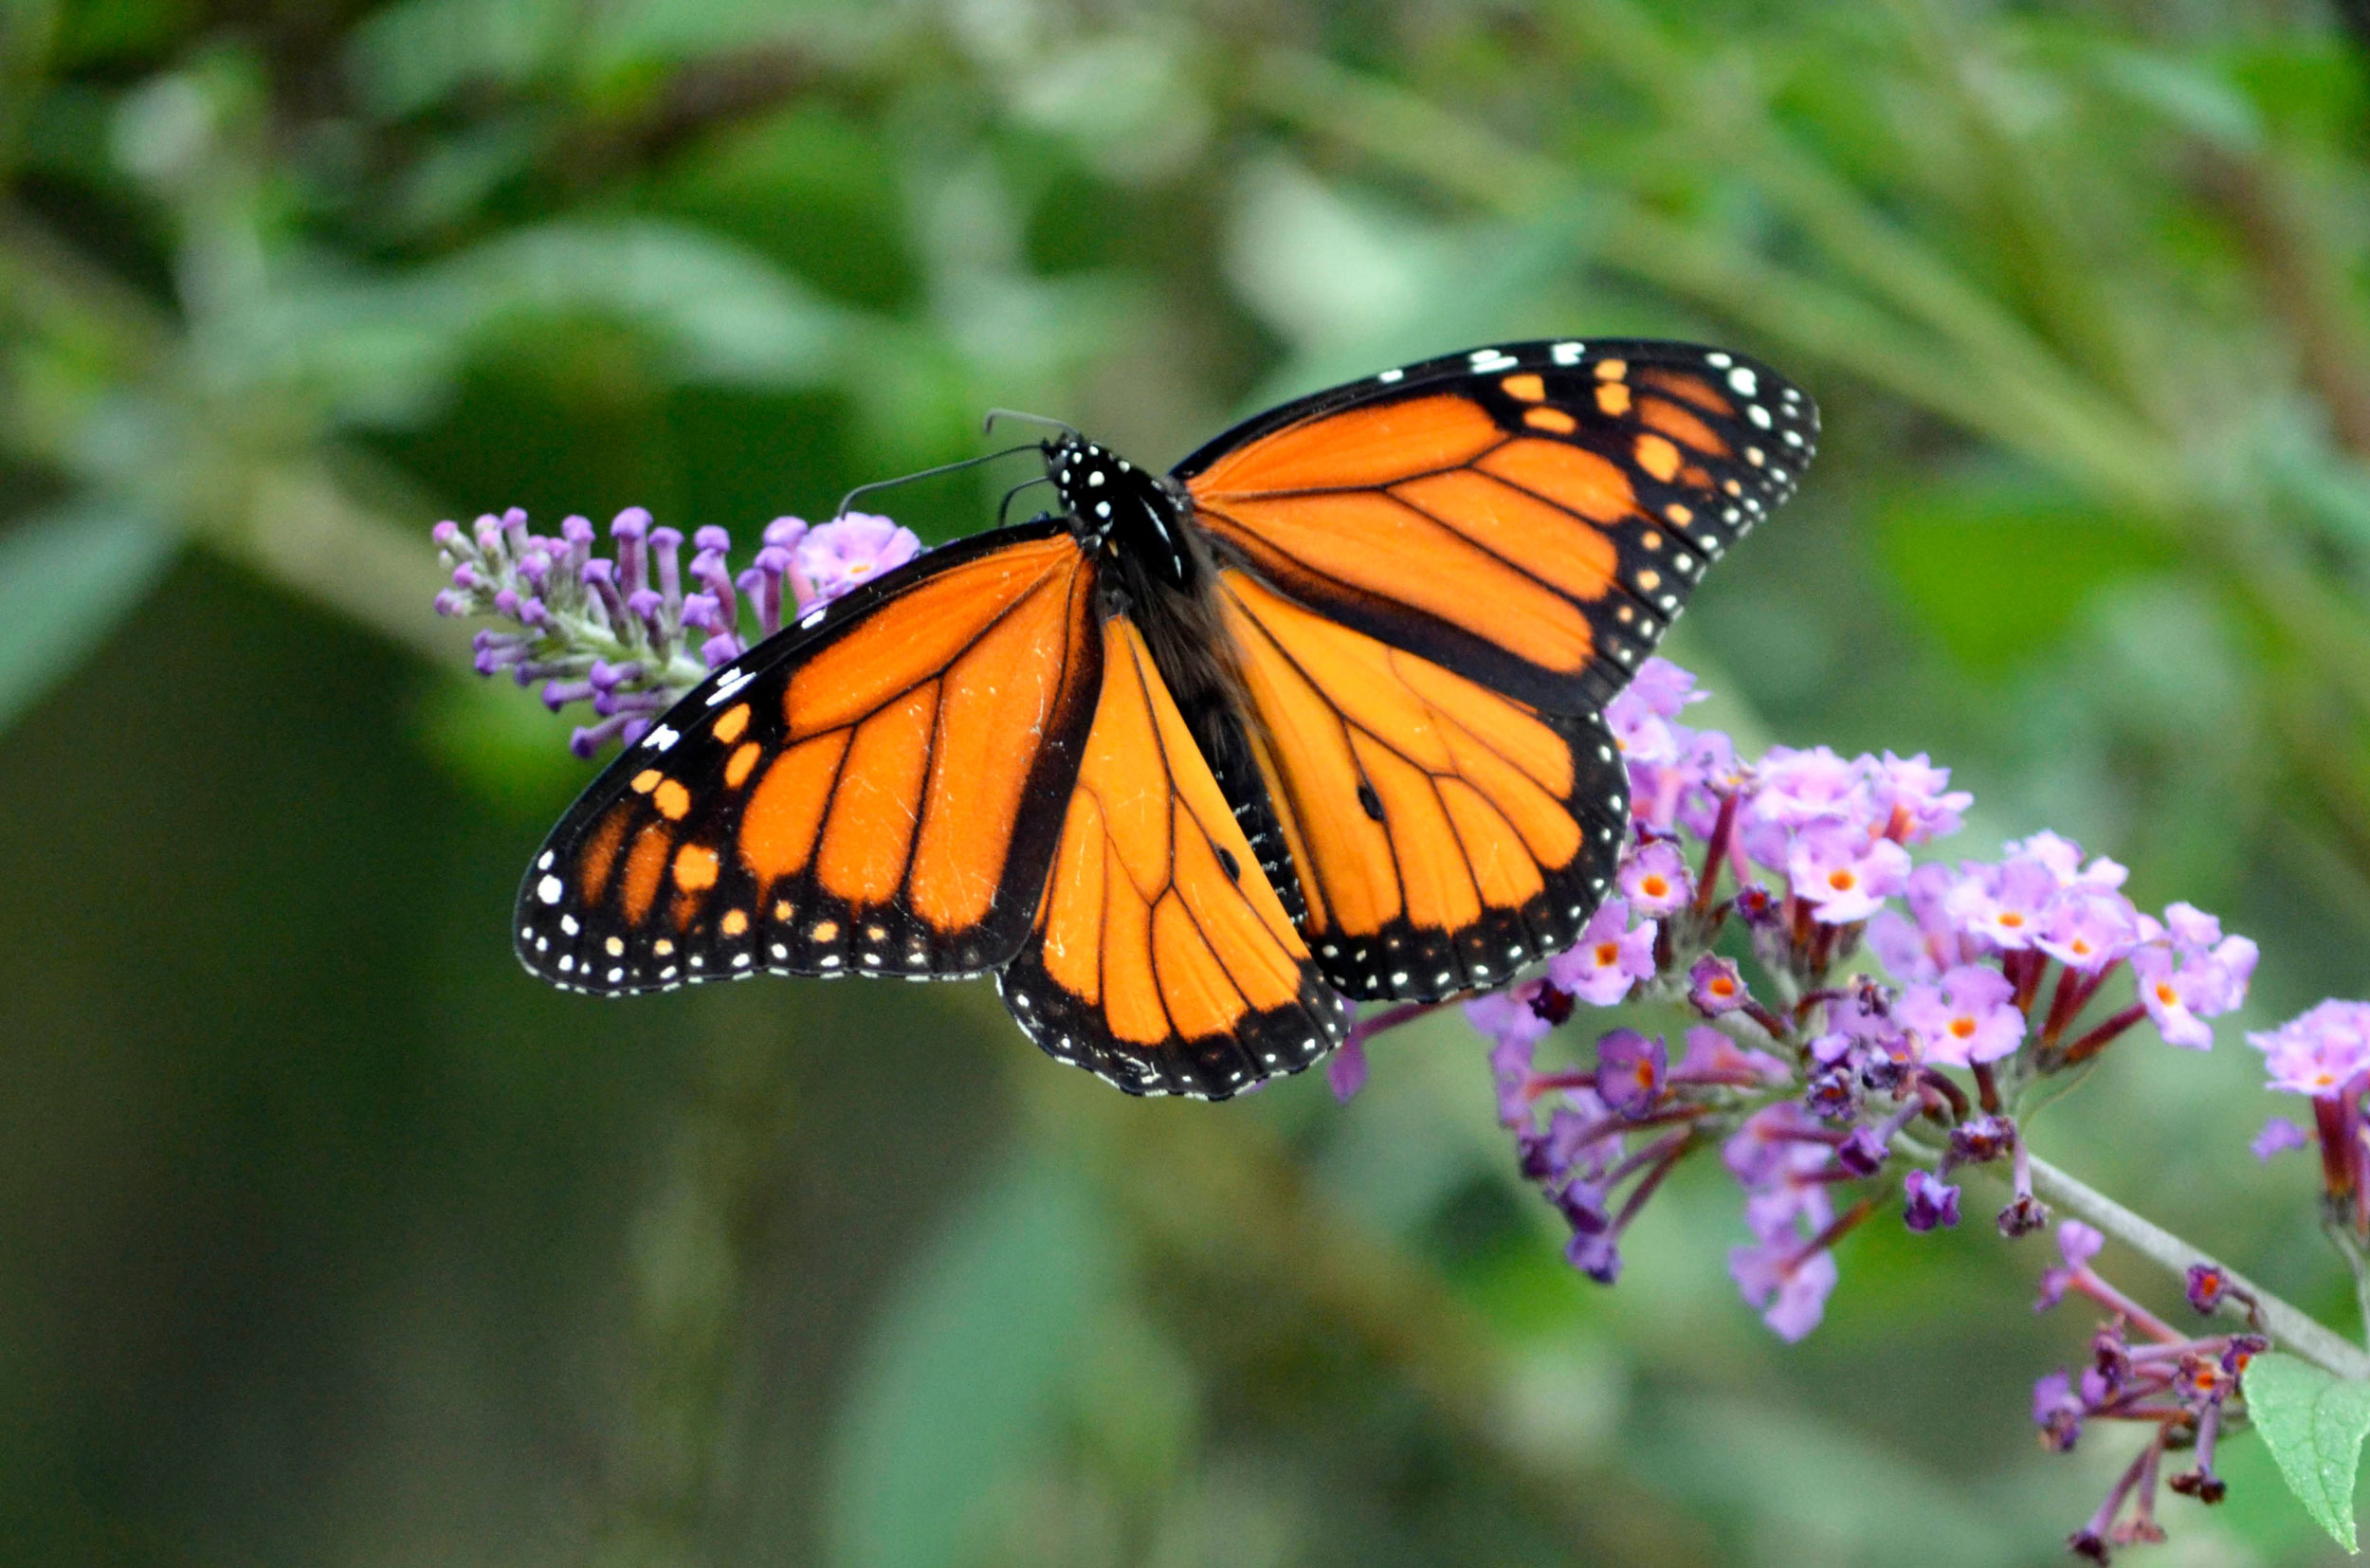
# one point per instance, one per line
(2290, 1326)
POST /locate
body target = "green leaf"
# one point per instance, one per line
(960, 1386)
(2313, 1424)
(66, 582)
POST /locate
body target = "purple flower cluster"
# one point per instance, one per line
(620, 631)
(1812, 1078)
(1628, 1119)
(1990, 969)
(2175, 1386)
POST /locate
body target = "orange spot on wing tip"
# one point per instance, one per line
(735, 922)
(673, 799)
(1677, 423)
(645, 863)
(731, 722)
(1677, 514)
(1693, 389)
(824, 931)
(1657, 456)
(600, 854)
(1613, 398)
(1526, 387)
(1549, 419)
(696, 867)
(1611, 370)
(737, 769)
(646, 780)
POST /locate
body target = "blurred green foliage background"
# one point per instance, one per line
(328, 1237)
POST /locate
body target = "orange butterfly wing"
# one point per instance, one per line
(1444, 834)
(1531, 517)
(1162, 958)
(854, 797)
(1430, 584)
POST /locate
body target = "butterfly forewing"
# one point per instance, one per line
(1162, 959)
(1531, 517)
(854, 797)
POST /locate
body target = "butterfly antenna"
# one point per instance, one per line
(987, 425)
(1005, 507)
(932, 473)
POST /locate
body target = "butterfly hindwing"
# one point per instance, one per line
(1444, 834)
(1531, 517)
(860, 793)
(1162, 958)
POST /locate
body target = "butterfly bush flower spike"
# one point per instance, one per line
(628, 634)
(1894, 1015)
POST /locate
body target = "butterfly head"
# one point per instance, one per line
(1113, 505)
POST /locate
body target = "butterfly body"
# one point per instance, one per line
(1315, 716)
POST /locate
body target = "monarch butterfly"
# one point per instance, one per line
(1197, 760)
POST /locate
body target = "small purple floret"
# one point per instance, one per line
(1629, 1072)
(1931, 1202)
(1609, 958)
(845, 553)
(1966, 1017)
(2278, 1136)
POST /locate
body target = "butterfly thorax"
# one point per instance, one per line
(1155, 568)
(1129, 515)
